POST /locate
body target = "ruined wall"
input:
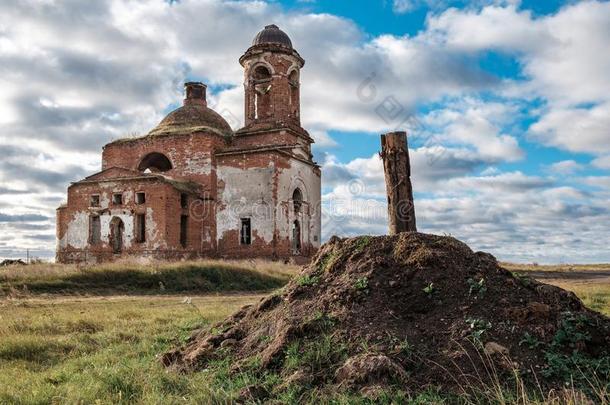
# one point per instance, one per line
(260, 186)
(281, 102)
(278, 137)
(161, 208)
(305, 177)
(245, 190)
(192, 156)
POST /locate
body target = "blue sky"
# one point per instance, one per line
(507, 106)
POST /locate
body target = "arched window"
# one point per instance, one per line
(261, 77)
(261, 73)
(297, 200)
(155, 162)
(293, 80)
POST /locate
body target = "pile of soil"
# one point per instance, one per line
(411, 310)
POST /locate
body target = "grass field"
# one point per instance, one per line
(556, 267)
(102, 350)
(591, 282)
(129, 277)
(58, 345)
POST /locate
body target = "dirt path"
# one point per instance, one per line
(582, 276)
(37, 300)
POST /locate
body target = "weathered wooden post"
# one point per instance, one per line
(397, 168)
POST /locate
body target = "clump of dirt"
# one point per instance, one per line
(411, 310)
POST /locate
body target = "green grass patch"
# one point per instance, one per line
(104, 351)
(307, 280)
(130, 278)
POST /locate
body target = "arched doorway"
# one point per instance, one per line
(297, 206)
(116, 234)
(296, 237)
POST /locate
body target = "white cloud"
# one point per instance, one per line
(403, 6)
(602, 162)
(575, 129)
(598, 181)
(565, 167)
(565, 54)
(475, 124)
(564, 57)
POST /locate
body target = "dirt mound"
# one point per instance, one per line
(411, 310)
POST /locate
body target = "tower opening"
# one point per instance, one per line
(293, 101)
(261, 80)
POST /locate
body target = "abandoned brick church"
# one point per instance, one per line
(192, 187)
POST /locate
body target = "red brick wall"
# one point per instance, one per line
(162, 198)
(268, 138)
(184, 152)
(279, 104)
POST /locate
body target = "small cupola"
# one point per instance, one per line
(272, 34)
(195, 93)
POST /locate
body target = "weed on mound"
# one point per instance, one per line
(397, 317)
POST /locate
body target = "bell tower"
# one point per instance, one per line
(272, 80)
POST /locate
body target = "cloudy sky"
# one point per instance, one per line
(507, 105)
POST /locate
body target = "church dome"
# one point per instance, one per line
(193, 116)
(272, 34)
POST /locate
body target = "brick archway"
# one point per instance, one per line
(155, 162)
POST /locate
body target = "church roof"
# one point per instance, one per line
(192, 118)
(272, 34)
(112, 174)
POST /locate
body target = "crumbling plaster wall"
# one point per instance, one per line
(73, 233)
(245, 191)
(306, 177)
(260, 186)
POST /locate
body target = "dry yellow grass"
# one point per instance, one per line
(50, 271)
(595, 296)
(137, 277)
(590, 282)
(555, 267)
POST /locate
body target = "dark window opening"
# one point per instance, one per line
(117, 199)
(293, 79)
(184, 200)
(296, 237)
(245, 233)
(315, 238)
(94, 201)
(261, 73)
(116, 234)
(95, 230)
(140, 228)
(297, 200)
(155, 162)
(261, 77)
(140, 198)
(183, 230)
